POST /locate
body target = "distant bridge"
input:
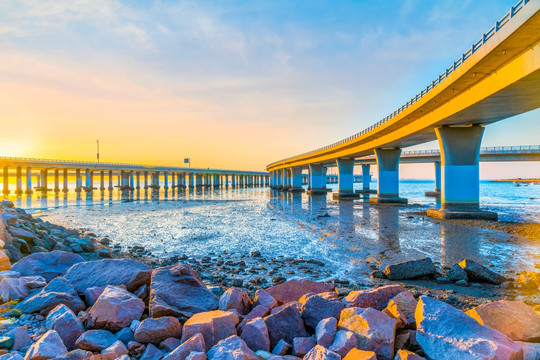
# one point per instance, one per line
(128, 175)
(498, 77)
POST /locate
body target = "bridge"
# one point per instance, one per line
(128, 175)
(497, 78)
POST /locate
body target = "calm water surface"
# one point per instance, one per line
(342, 234)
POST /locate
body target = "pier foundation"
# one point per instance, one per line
(388, 177)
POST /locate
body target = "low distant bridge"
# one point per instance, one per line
(128, 175)
(497, 78)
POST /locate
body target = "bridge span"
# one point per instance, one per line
(497, 78)
(128, 175)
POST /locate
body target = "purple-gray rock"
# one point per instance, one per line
(321, 353)
(231, 348)
(194, 343)
(255, 334)
(235, 299)
(152, 353)
(213, 325)
(326, 331)
(196, 355)
(157, 330)
(257, 311)
(92, 294)
(344, 341)
(125, 335)
(373, 298)
(286, 324)
(302, 345)
(49, 265)
(178, 290)
(170, 344)
(444, 332)
(318, 306)
(130, 273)
(58, 291)
(294, 289)
(281, 348)
(115, 309)
(77, 354)
(66, 324)
(22, 234)
(48, 346)
(262, 297)
(13, 356)
(95, 340)
(457, 273)
(410, 269)
(20, 337)
(118, 348)
(478, 273)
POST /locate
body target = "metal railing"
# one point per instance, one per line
(105, 164)
(466, 55)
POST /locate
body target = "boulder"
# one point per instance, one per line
(14, 356)
(95, 340)
(20, 337)
(515, 319)
(58, 291)
(325, 331)
(213, 325)
(531, 351)
(444, 332)
(356, 354)
(17, 288)
(255, 335)
(457, 273)
(235, 299)
(66, 324)
(157, 330)
(92, 294)
(344, 341)
(263, 298)
(194, 343)
(49, 265)
(285, 324)
(196, 355)
(295, 304)
(178, 290)
(114, 309)
(407, 355)
(302, 345)
(321, 353)
(410, 269)
(293, 290)
(152, 353)
(373, 329)
(5, 264)
(257, 311)
(48, 346)
(22, 234)
(77, 354)
(478, 273)
(125, 335)
(318, 306)
(118, 348)
(231, 348)
(281, 348)
(130, 273)
(402, 307)
(170, 344)
(373, 298)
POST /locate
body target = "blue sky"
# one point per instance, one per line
(229, 83)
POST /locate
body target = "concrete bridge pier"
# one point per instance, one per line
(6, 180)
(198, 180)
(191, 180)
(18, 189)
(111, 187)
(437, 192)
(131, 180)
(56, 181)
(316, 180)
(65, 180)
(233, 181)
(102, 180)
(217, 181)
(366, 180)
(78, 181)
(388, 177)
(296, 179)
(166, 180)
(44, 175)
(138, 177)
(155, 180)
(460, 174)
(345, 180)
(146, 179)
(285, 180)
(272, 179)
(29, 180)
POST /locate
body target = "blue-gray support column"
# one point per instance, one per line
(316, 180)
(102, 181)
(6, 180)
(460, 174)
(138, 177)
(29, 180)
(65, 179)
(44, 176)
(199, 180)
(18, 189)
(388, 177)
(191, 180)
(296, 179)
(345, 179)
(166, 180)
(437, 191)
(78, 180)
(87, 178)
(111, 178)
(56, 181)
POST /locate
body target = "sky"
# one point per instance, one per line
(229, 84)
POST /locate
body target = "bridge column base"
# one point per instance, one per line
(345, 196)
(446, 214)
(435, 194)
(316, 192)
(366, 191)
(296, 190)
(388, 200)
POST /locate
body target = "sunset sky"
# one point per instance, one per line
(230, 84)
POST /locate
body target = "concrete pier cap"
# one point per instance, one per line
(388, 177)
(460, 173)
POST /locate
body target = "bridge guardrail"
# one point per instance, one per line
(467, 54)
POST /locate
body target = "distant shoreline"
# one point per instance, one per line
(519, 180)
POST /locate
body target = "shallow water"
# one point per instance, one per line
(346, 235)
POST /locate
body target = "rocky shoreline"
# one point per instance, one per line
(72, 295)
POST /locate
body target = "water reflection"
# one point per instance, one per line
(459, 242)
(388, 229)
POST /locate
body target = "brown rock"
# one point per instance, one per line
(255, 334)
(281, 348)
(293, 290)
(344, 341)
(48, 346)
(515, 319)
(285, 324)
(194, 343)
(373, 298)
(320, 306)
(213, 325)
(374, 330)
(157, 330)
(257, 311)
(326, 331)
(302, 345)
(231, 348)
(263, 298)
(321, 353)
(235, 299)
(356, 354)
(407, 355)
(5, 264)
(402, 307)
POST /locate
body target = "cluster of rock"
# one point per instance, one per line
(122, 309)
